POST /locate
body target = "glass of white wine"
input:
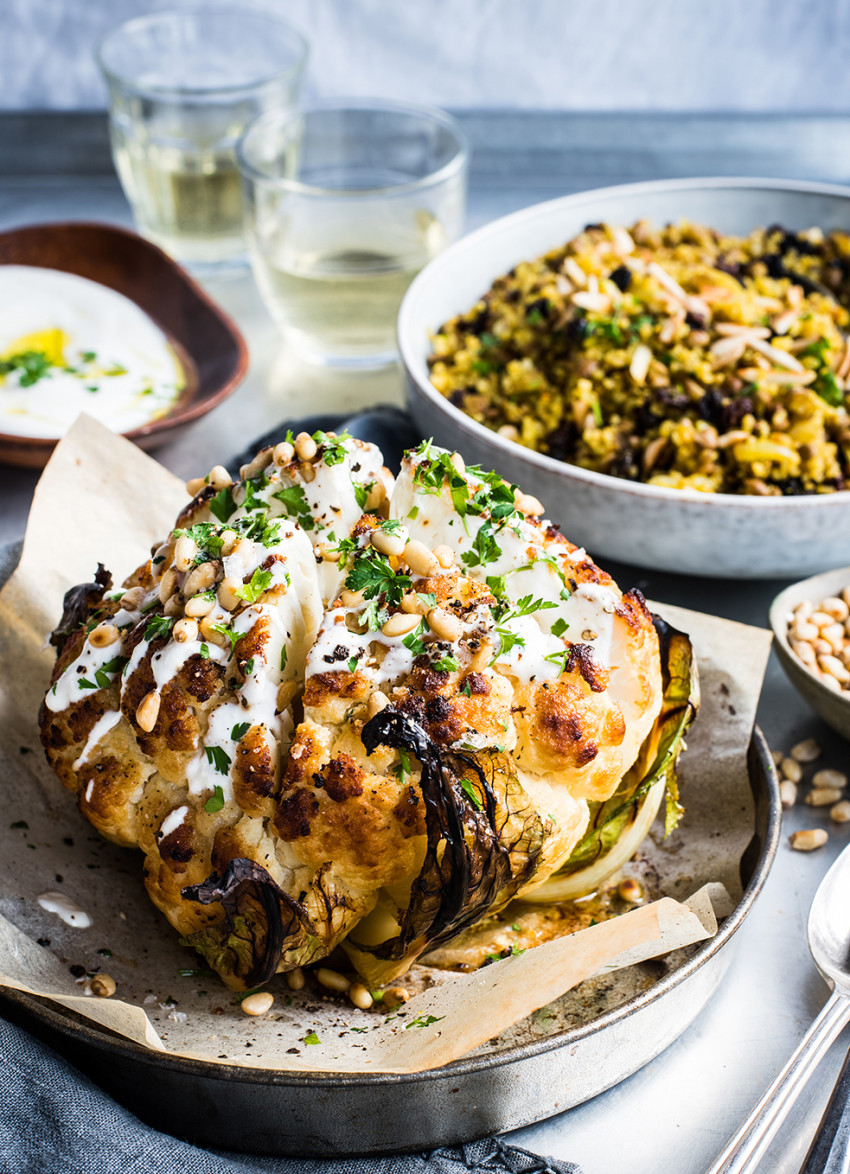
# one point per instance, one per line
(183, 85)
(345, 202)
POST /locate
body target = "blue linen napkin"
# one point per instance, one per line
(54, 1120)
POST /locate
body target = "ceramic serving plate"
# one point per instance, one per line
(211, 349)
(719, 535)
(585, 1042)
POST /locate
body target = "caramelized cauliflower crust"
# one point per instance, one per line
(324, 725)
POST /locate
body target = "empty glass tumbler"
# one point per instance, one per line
(182, 86)
(345, 202)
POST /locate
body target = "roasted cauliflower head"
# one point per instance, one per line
(334, 709)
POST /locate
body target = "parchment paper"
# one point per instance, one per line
(102, 499)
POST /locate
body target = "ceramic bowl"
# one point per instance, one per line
(700, 534)
(834, 708)
(210, 346)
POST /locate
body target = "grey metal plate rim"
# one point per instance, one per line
(74, 1028)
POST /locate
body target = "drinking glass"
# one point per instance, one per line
(183, 85)
(345, 202)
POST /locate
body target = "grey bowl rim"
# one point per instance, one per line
(102, 1039)
(789, 660)
(562, 469)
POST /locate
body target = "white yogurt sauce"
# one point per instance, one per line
(65, 909)
(105, 356)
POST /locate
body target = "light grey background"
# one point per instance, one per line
(749, 55)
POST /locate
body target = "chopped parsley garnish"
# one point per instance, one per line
(422, 1021)
(248, 666)
(412, 641)
(559, 659)
(446, 664)
(207, 538)
(373, 575)
(88, 356)
(233, 637)
(559, 627)
(311, 1038)
(222, 506)
(218, 758)
(361, 494)
(471, 794)
(391, 526)
(427, 598)
(252, 591)
(333, 448)
(253, 485)
(414, 513)
(294, 501)
(284, 655)
(216, 800)
(485, 548)
(829, 389)
(352, 664)
(239, 731)
(402, 769)
(466, 689)
(205, 652)
(32, 365)
(104, 673)
(158, 626)
(84, 684)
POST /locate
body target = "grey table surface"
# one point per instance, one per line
(674, 1115)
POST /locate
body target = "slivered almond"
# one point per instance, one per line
(726, 351)
(574, 271)
(639, 365)
(597, 303)
(776, 355)
(737, 329)
(798, 378)
(783, 323)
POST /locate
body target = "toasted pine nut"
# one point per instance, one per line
(219, 477)
(167, 585)
(788, 793)
(457, 463)
(359, 996)
(830, 682)
(834, 668)
(305, 446)
(830, 778)
(806, 751)
(509, 431)
(185, 631)
(389, 544)
(352, 598)
(260, 462)
(103, 635)
(102, 985)
(308, 473)
(791, 769)
(445, 556)
(400, 624)
(803, 610)
(443, 624)
(808, 840)
(132, 599)
(200, 579)
(806, 653)
(185, 549)
(295, 979)
(481, 658)
(840, 813)
(333, 980)
(194, 485)
(197, 606)
(835, 607)
(529, 505)
(377, 702)
(420, 559)
(283, 453)
(823, 796)
(258, 1004)
(377, 497)
(394, 996)
(803, 630)
(845, 595)
(210, 633)
(820, 619)
(148, 711)
(329, 554)
(834, 636)
(227, 596)
(413, 605)
(822, 647)
(630, 890)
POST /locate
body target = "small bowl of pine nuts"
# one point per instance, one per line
(811, 623)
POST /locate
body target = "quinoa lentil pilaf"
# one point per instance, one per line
(677, 356)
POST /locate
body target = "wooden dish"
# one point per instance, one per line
(207, 341)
